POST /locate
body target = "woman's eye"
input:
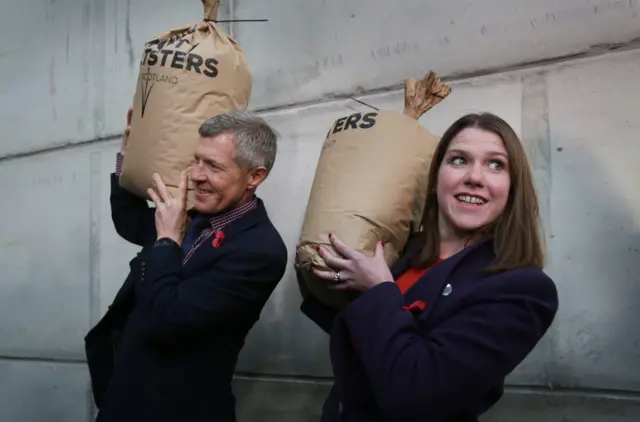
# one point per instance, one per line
(496, 165)
(457, 161)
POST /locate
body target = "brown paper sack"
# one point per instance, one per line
(187, 75)
(370, 183)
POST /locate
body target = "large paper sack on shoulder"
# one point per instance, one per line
(370, 183)
(187, 75)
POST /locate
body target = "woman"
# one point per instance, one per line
(433, 338)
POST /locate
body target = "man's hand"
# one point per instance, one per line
(171, 213)
(127, 130)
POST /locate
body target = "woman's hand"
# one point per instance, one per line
(353, 270)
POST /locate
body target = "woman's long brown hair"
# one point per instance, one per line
(516, 232)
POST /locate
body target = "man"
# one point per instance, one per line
(167, 347)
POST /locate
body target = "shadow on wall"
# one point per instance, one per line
(594, 252)
(594, 258)
(285, 342)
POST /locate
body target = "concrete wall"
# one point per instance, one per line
(64, 91)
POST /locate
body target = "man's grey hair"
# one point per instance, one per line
(255, 140)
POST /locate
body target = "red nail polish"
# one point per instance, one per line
(382, 242)
(318, 248)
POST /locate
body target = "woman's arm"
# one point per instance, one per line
(323, 316)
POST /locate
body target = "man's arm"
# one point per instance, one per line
(434, 375)
(177, 308)
(132, 217)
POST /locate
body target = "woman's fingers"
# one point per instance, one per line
(332, 261)
(341, 248)
(329, 275)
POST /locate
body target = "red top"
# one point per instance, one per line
(409, 277)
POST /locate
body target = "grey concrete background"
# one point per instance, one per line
(566, 75)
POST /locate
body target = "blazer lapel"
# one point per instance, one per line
(209, 252)
(252, 218)
(430, 287)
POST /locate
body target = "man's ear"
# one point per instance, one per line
(256, 176)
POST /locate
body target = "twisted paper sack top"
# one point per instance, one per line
(420, 96)
(210, 9)
(210, 14)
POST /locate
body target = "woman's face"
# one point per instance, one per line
(473, 181)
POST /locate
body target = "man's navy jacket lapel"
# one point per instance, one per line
(206, 252)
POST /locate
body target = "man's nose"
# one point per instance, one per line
(196, 172)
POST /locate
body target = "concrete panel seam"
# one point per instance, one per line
(536, 137)
(95, 193)
(327, 99)
(98, 64)
(92, 410)
(590, 53)
(94, 237)
(43, 360)
(593, 51)
(509, 389)
(537, 143)
(305, 379)
(60, 147)
(232, 17)
(574, 392)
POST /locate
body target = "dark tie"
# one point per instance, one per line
(198, 223)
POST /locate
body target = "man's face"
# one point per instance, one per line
(219, 182)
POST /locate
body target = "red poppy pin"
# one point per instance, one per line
(416, 307)
(218, 238)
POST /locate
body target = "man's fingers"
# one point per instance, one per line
(162, 188)
(182, 187)
(127, 128)
(154, 197)
(129, 115)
